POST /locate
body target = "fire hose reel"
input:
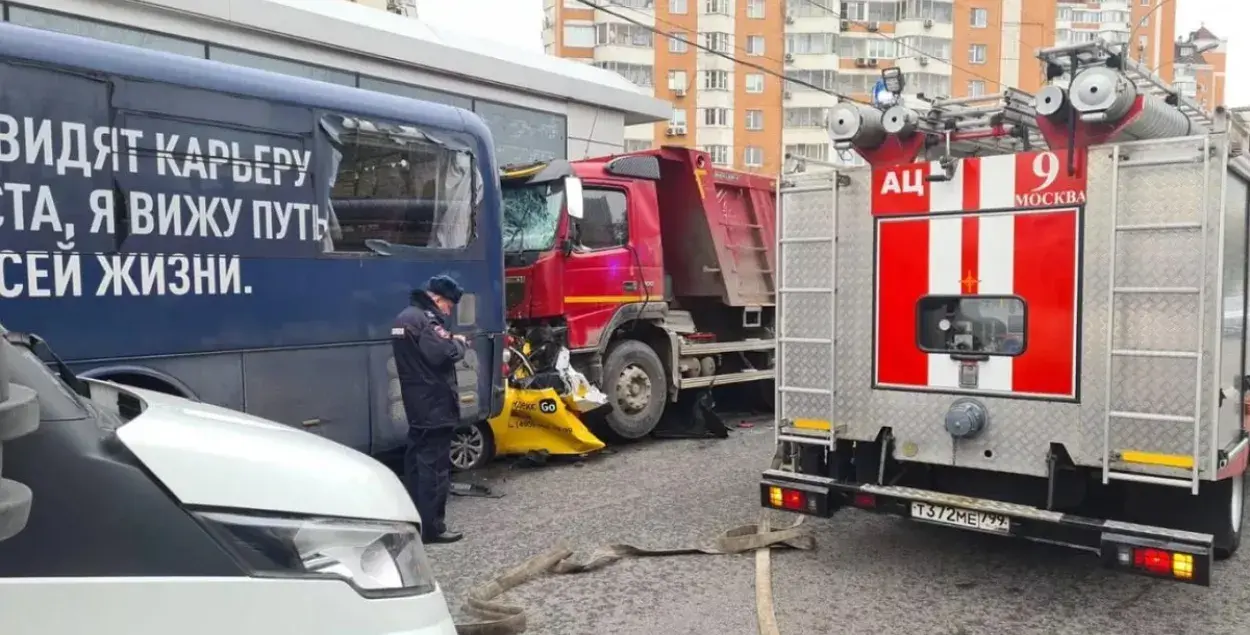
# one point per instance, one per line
(966, 418)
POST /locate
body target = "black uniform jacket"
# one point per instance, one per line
(425, 360)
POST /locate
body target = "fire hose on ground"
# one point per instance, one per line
(491, 617)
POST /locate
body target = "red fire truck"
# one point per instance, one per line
(654, 268)
(1025, 318)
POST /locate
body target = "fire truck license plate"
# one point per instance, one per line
(957, 517)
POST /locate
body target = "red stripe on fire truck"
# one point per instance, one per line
(1031, 253)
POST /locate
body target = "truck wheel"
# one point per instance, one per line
(1227, 510)
(634, 380)
(472, 447)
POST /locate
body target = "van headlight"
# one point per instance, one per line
(375, 557)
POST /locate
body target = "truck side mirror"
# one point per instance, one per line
(573, 196)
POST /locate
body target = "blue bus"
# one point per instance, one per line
(240, 237)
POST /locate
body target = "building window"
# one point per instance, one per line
(815, 151)
(811, 117)
(753, 156)
(625, 35)
(415, 92)
(580, 36)
(980, 18)
(678, 6)
(678, 118)
(755, 9)
(755, 45)
(1141, 42)
(719, 154)
(976, 54)
(604, 223)
(637, 145)
(639, 74)
(721, 7)
(879, 48)
(755, 120)
(677, 43)
(717, 117)
(755, 83)
(102, 31)
(677, 80)
(811, 44)
(279, 65)
(522, 135)
(715, 80)
(976, 88)
(719, 42)
(825, 80)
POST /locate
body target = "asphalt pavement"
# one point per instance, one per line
(869, 574)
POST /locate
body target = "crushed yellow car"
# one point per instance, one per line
(535, 419)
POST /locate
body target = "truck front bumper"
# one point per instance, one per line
(1161, 552)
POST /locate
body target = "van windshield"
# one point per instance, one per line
(56, 401)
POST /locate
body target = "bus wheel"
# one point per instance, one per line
(472, 447)
(635, 383)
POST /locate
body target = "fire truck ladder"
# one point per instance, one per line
(978, 122)
(797, 232)
(1111, 454)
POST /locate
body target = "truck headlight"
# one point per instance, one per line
(375, 557)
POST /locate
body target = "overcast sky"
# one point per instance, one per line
(519, 23)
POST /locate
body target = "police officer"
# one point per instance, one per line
(425, 359)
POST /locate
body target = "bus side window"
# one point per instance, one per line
(393, 183)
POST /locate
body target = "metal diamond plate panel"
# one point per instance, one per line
(1153, 193)
(1157, 385)
(1172, 193)
(808, 265)
(807, 366)
(807, 209)
(806, 406)
(1160, 258)
(1156, 323)
(806, 315)
(1020, 431)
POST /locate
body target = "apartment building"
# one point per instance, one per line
(1198, 72)
(746, 117)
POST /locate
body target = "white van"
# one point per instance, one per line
(129, 512)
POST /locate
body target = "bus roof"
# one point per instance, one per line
(46, 47)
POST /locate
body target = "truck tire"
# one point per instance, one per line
(1226, 510)
(635, 383)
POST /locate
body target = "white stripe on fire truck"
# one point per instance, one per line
(946, 196)
(996, 261)
(945, 250)
(998, 181)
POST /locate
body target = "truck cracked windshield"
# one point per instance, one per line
(531, 210)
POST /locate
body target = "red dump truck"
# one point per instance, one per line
(654, 268)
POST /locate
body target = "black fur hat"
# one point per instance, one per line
(446, 287)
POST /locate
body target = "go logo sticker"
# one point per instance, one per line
(547, 406)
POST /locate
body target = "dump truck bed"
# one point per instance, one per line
(718, 229)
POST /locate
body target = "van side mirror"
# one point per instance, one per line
(573, 196)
